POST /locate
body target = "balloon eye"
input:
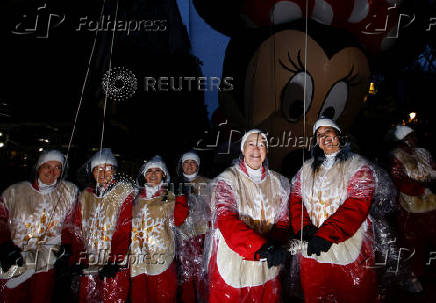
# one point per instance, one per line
(335, 101)
(296, 109)
(293, 106)
(329, 112)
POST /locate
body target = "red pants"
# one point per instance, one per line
(326, 282)
(38, 288)
(108, 290)
(220, 291)
(190, 270)
(161, 288)
(417, 232)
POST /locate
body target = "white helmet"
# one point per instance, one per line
(50, 155)
(402, 131)
(325, 122)
(105, 156)
(155, 162)
(253, 131)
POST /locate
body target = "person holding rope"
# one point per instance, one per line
(250, 222)
(329, 206)
(191, 233)
(413, 171)
(156, 212)
(31, 221)
(101, 235)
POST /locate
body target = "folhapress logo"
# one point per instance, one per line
(39, 23)
(106, 24)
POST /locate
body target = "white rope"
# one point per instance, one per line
(296, 246)
(304, 116)
(84, 84)
(91, 55)
(107, 84)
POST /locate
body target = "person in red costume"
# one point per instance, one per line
(152, 253)
(31, 220)
(332, 193)
(250, 221)
(413, 171)
(100, 237)
(191, 234)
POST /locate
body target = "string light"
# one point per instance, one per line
(372, 89)
(412, 115)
